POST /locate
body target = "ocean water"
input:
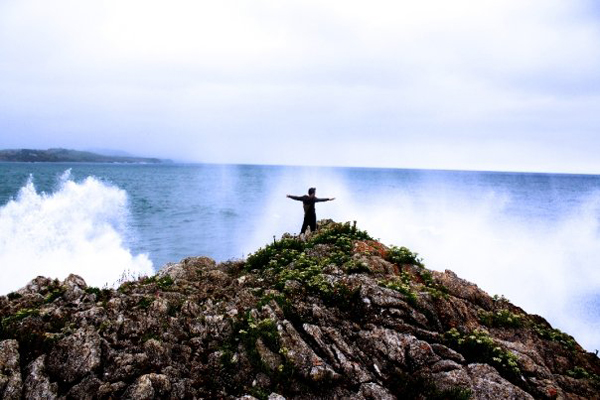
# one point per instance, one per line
(534, 238)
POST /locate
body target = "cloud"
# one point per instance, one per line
(194, 76)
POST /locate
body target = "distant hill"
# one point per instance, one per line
(65, 155)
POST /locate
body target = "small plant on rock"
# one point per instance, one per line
(501, 319)
(555, 335)
(402, 256)
(402, 285)
(478, 346)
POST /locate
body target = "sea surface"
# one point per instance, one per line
(534, 238)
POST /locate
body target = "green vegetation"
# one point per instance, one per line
(435, 289)
(355, 267)
(478, 346)
(104, 326)
(291, 259)
(102, 295)
(126, 287)
(582, 373)
(246, 333)
(276, 255)
(504, 318)
(18, 316)
(402, 256)
(500, 299)
(501, 319)
(145, 302)
(54, 294)
(282, 252)
(163, 282)
(265, 329)
(401, 284)
(555, 335)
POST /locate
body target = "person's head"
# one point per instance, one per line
(311, 191)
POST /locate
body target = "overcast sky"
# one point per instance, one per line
(485, 85)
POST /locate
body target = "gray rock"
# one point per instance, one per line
(86, 389)
(141, 390)
(37, 384)
(75, 356)
(271, 360)
(375, 392)
(309, 364)
(149, 386)
(159, 354)
(488, 384)
(75, 288)
(446, 352)
(193, 338)
(275, 396)
(11, 383)
(420, 354)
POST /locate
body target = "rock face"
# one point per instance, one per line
(333, 315)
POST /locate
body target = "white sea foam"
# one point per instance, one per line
(547, 267)
(79, 228)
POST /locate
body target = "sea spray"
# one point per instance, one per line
(79, 228)
(541, 253)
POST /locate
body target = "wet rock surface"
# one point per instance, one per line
(332, 315)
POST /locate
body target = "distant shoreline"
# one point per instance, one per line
(71, 156)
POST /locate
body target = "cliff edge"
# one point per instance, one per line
(333, 315)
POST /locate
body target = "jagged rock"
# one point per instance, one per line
(10, 372)
(463, 289)
(86, 389)
(447, 353)
(75, 356)
(309, 364)
(124, 366)
(327, 316)
(36, 285)
(149, 386)
(111, 390)
(37, 384)
(159, 354)
(271, 360)
(74, 287)
(488, 384)
(374, 391)
(188, 269)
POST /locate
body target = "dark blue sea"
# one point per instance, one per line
(534, 238)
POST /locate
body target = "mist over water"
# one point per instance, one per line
(534, 238)
(79, 228)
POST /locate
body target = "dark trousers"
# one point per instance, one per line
(309, 220)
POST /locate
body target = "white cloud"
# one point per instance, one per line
(207, 73)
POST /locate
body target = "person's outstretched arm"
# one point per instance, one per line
(325, 199)
(289, 196)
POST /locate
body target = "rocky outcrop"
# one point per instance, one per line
(332, 315)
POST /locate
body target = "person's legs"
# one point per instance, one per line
(309, 220)
(305, 223)
(313, 223)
